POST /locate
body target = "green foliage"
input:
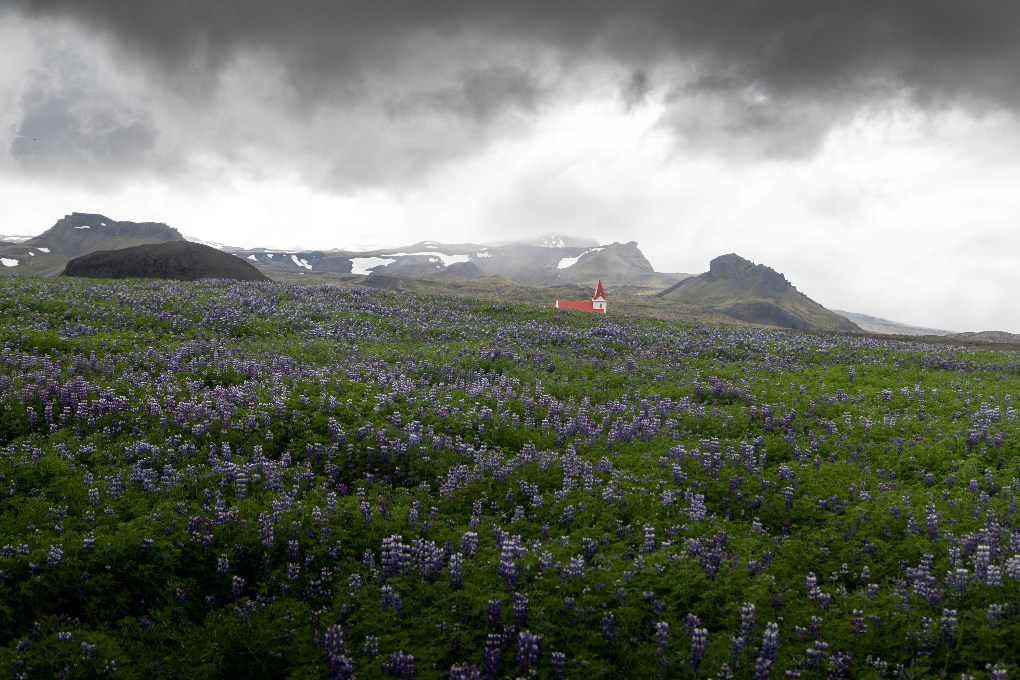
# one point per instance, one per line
(634, 472)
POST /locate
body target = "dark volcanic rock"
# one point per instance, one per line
(80, 233)
(180, 260)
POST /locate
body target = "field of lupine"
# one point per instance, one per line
(222, 479)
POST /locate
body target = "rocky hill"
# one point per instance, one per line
(180, 260)
(754, 293)
(80, 233)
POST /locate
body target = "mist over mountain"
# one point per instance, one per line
(874, 324)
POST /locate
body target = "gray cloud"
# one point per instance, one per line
(760, 77)
(635, 91)
(71, 123)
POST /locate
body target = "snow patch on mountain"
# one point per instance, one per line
(571, 261)
(364, 265)
(446, 259)
(301, 262)
(9, 262)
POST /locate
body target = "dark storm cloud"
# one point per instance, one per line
(937, 49)
(770, 75)
(479, 94)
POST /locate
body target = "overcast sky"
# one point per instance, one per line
(868, 149)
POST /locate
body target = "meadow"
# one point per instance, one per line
(223, 479)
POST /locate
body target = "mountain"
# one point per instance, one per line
(180, 260)
(754, 293)
(874, 324)
(80, 233)
(734, 290)
(527, 264)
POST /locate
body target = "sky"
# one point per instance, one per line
(867, 149)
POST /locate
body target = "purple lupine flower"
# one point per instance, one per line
(748, 620)
(738, 646)
(574, 567)
(400, 666)
(996, 672)
(816, 653)
(661, 644)
(456, 565)
(558, 664)
(463, 671)
(527, 651)
(931, 520)
(469, 544)
(494, 608)
(490, 657)
(858, 627)
(340, 667)
(88, 543)
(236, 586)
(519, 610)
(699, 644)
(507, 563)
(55, 557)
(389, 599)
(609, 631)
(648, 539)
(947, 626)
(426, 558)
(354, 584)
(770, 641)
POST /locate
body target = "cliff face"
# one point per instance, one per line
(757, 294)
(80, 233)
(180, 260)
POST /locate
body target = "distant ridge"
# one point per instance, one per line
(754, 293)
(996, 337)
(180, 260)
(525, 263)
(874, 324)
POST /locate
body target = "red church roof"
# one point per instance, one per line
(598, 292)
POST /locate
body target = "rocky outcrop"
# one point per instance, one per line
(754, 293)
(80, 233)
(180, 260)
